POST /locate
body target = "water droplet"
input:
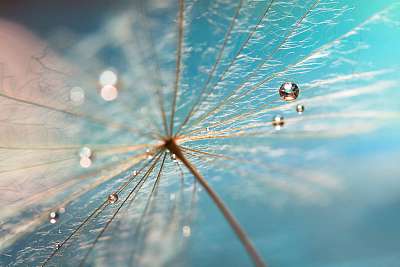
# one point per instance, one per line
(53, 217)
(112, 198)
(300, 108)
(85, 162)
(135, 172)
(109, 93)
(173, 157)
(186, 231)
(289, 91)
(108, 77)
(278, 121)
(85, 152)
(77, 95)
(58, 245)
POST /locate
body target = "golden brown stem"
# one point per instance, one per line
(258, 261)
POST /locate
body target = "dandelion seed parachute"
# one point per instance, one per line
(323, 192)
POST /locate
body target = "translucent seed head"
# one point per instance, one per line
(289, 91)
(112, 198)
(300, 108)
(278, 121)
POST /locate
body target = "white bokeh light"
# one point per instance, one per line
(108, 77)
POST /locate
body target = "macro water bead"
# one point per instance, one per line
(53, 217)
(289, 91)
(300, 108)
(278, 121)
(112, 198)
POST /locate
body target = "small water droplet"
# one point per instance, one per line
(135, 172)
(186, 231)
(173, 157)
(278, 121)
(289, 91)
(300, 108)
(58, 245)
(112, 198)
(53, 217)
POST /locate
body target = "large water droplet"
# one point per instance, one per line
(278, 121)
(112, 198)
(289, 91)
(300, 108)
(53, 217)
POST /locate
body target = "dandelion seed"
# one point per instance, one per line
(289, 91)
(109, 93)
(112, 198)
(278, 122)
(300, 108)
(53, 217)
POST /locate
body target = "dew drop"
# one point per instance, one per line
(186, 231)
(53, 217)
(109, 93)
(112, 198)
(77, 95)
(300, 108)
(85, 162)
(278, 121)
(289, 91)
(173, 157)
